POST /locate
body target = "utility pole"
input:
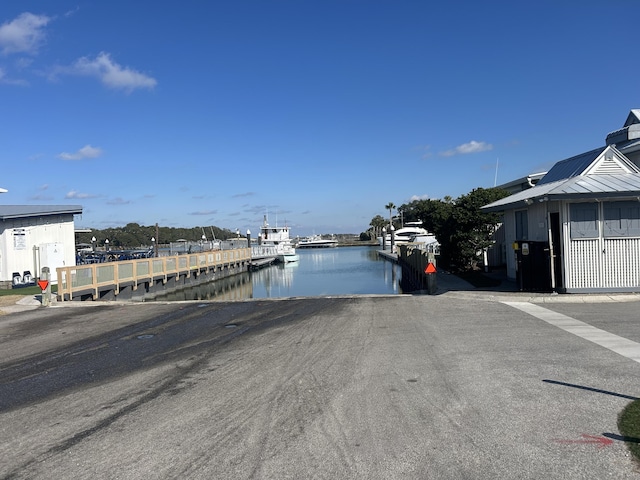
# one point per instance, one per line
(155, 250)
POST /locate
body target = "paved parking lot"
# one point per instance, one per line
(457, 385)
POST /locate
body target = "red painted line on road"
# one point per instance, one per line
(598, 440)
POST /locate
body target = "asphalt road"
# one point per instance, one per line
(452, 386)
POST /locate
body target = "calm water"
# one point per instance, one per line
(325, 271)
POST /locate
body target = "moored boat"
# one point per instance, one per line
(412, 232)
(275, 242)
(316, 241)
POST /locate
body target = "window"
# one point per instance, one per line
(584, 220)
(621, 219)
(522, 225)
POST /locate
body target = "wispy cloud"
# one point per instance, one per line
(467, 148)
(118, 201)
(204, 212)
(41, 198)
(241, 195)
(11, 81)
(73, 194)
(24, 34)
(111, 74)
(85, 152)
(424, 150)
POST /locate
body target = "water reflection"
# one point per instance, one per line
(275, 281)
(334, 271)
(236, 287)
(319, 272)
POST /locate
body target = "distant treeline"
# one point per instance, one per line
(133, 235)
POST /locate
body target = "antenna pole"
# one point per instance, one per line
(495, 179)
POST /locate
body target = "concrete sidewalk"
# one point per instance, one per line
(453, 285)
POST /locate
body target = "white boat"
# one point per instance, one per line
(316, 241)
(412, 232)
(274, 242)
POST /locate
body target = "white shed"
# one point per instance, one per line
(578, 229)
(35, 236)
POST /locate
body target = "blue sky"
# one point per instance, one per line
(318, 113)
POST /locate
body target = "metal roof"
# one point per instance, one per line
(600, 173)
(571, 166)
(581, 187)
(22, 211)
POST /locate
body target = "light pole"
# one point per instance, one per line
(248, 238)
(384, 239)
(153, 247)
(202, 240)
(93, 244)
(106, 244)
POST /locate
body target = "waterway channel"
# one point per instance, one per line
(319, 272)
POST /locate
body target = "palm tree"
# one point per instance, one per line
(390, 206)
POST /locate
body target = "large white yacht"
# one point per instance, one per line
(411, 232)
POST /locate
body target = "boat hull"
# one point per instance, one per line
(327, 244)
(288, 258)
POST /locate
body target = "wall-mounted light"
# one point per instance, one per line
(528, 201)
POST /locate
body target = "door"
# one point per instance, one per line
(556, 250)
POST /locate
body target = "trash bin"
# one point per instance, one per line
(533, 272)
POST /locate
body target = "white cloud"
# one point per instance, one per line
(418, 197)
(466, 148)
(110, 73)
(24, 34)
(78, 195)
(85, 152)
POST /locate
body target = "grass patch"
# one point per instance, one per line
(23, 291)
(479, 279)
(629, 426)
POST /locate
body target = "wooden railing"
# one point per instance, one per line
(90, 279)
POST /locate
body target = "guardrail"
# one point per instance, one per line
(91, 281)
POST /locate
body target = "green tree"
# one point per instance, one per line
(376, 224)
(390, 206)
(134, 235)
(470, 230)
(461, 228)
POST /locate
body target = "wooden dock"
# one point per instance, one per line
(388, 255)
(140, 278)
(258, 263)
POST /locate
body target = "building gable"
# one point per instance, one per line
(633, 118)
(610, 162)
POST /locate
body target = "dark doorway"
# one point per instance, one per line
(556, 245)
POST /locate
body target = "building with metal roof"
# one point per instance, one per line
(627, 139)
(578, 228)
(32, 237)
